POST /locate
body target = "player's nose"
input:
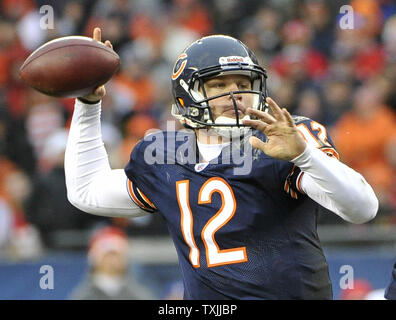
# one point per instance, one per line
(234, 87)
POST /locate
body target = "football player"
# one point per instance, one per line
(239, 234)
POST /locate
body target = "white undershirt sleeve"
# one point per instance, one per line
(92, 186)
(336, 186)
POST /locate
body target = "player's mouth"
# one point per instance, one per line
(230, 111)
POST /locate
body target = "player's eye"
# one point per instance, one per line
(244, 86)
(216, 84)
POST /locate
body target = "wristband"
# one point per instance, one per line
(87, 101)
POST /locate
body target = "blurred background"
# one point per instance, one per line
(343, 78)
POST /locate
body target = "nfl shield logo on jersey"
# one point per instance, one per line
(200, 166)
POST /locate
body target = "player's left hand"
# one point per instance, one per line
(284, 141)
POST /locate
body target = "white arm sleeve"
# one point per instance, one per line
(92, 186)
(336, 186)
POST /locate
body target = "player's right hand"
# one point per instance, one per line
(100, 91)
(284, 141)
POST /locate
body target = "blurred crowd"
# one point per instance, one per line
(342, 78)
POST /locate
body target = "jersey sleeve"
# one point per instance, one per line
(139, 179)
(317, 136)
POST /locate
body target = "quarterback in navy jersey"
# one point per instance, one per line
(239, 189)
(249, 235)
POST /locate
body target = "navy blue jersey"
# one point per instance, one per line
(241, 225)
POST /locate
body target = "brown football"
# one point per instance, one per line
(70, 66)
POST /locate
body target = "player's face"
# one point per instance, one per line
(224, 106)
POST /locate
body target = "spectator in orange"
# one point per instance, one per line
(135, 129)
(135, 77)
(12, 55)
(143, 26)
(369, 16)
(16, 9)
(361, 136)
(191, 14)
